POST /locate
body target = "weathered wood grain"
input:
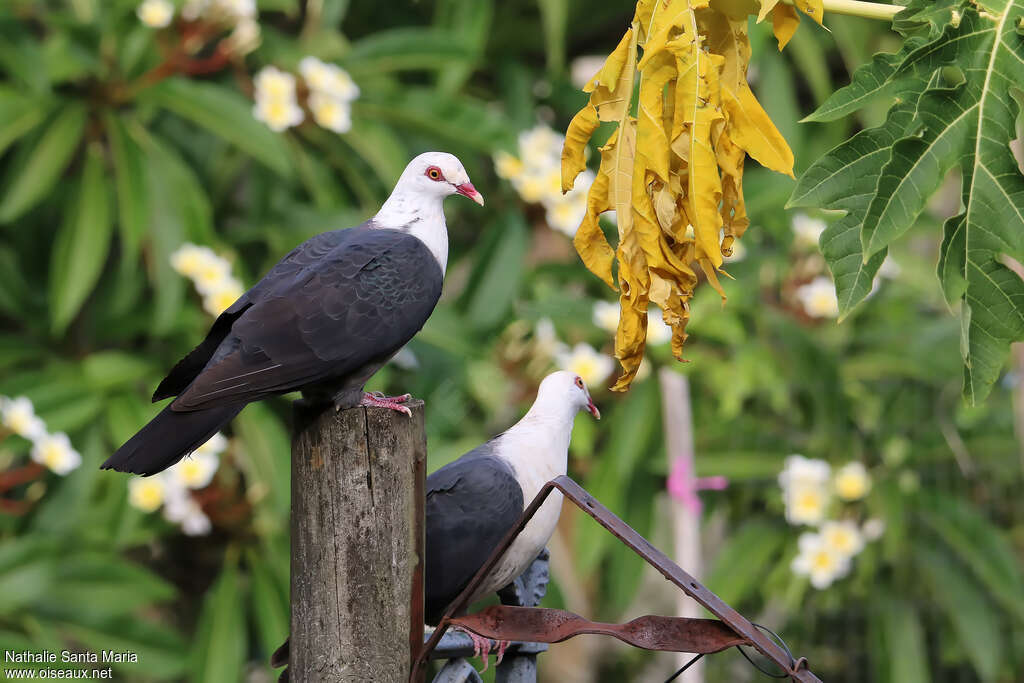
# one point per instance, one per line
(357, 540)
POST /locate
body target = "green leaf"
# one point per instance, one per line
(33, 181)
(408, 48)
(976, 625)
(494, 284)
(739, 566)
(82, 243)
(224, 113)
(132, 192)
(268, 457)
(20, 114)
(554, 15)
(219, 647)
(269, 594)
(904, 659)
(845, 180)
(471, 21)
(869, 82)
(980, 546)
(970, 127)
(459, 120)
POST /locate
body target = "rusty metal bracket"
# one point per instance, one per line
(742, 629)
(540, 624)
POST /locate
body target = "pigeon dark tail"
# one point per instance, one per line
(168, 438)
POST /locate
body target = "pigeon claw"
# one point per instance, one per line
(379, 400)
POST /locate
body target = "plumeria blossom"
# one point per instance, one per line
(330, 112)
(210, 274)
(536, 174)
(819, 562)
(186, 512)
(606, 315)
(657, 331)
(155, 13)
(873, 529)
(843, 537)
(584, 360)
(275, 99)
(328, 79)
(806, 490)
(19, 416)
(806, 230)
(546, 343)
(194, 471)
(818, 298)
(852, 481)
(56, 453)
(149, 493)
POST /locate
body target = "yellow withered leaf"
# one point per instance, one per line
(785, 21)
(612, 87)
(751, 127)
(673, 173)
(574, 152)
(766, 7)
(815, 9)
(595, 252)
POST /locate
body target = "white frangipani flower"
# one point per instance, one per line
(566, 216)
(583, 69)
(193, 9)
(873, 529)
(236, 9)
(330, 112)
(844, 537)
(541, 147)
(55, 451)
(805, 490)
(19, 416)
(817, 561)
(194, 471)
(278, 114)
(606, 315)
(818, 298)
(155, 13)
(806, 230)
(852, 481)
(149, 493)
(219, 299)
(328, 79)
(546, 343)
(185, 511)
(584, 360)
(657, 331)
(507, 166)
(245, 37)
(215, 445)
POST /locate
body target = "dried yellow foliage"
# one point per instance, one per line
(673, 169)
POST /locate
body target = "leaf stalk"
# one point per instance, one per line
(858, 8)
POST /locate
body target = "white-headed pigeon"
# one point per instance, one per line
(323, 320)
(474, 501)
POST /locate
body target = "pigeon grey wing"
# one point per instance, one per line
(357, 305)
(471, 505)
(299, 258)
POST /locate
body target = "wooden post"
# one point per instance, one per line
(678, 422)
(358, 479)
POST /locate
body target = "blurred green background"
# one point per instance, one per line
(119, 142)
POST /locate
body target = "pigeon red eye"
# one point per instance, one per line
(434, 173)
(579, 382)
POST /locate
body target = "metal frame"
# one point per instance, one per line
(671, 632)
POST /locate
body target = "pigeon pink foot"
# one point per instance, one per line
(390, 402)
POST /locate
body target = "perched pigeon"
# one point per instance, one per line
(473, 501)
(323, 320)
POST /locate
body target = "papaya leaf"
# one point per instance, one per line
(966, 127)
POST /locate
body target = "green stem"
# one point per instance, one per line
(857, 8)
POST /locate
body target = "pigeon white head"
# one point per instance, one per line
(569, 389)
(415, 205)
(436, 175)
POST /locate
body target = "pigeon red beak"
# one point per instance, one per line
(467, 190)
(592, 408)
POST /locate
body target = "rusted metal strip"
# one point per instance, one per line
(797, 670)
(542, 625)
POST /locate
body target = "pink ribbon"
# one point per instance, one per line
(683, 485)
